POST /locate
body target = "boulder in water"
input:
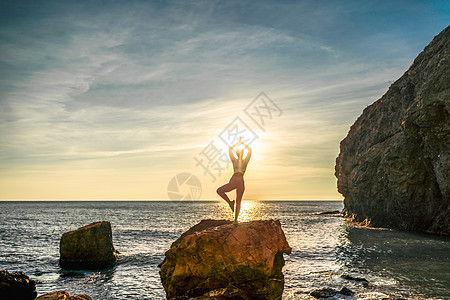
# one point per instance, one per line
(217, 259)
(362, 280)
(346, 291)
(329, 292)
(89, 247)
(17, 285)
(393, 168)
(323, 293)
(333, 212)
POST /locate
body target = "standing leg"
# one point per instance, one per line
(225, 189)
(239, 192)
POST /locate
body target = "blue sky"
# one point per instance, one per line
(111, 99)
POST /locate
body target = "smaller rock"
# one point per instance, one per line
(17, 286)
(334, 212)
(364, 281)
(393, 298)
(63, 295)
(89, 247)
(346, 292)
(323, 293)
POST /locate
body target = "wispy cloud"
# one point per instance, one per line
(140, 88)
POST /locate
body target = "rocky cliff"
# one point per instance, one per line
(393, 167)
(217, 259)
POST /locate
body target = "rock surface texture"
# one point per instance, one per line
(393, 167)
(16, 285)
(89, 247)
(63, 295)
(217, 259)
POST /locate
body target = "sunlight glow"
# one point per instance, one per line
(255, 146)
(249, 211)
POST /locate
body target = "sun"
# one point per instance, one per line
(255, 146)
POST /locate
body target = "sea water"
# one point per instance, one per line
(323, 248)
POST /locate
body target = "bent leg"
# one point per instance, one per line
(225, 189)
(239, 193)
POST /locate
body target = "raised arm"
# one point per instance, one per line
(249, 154)
(230, 150)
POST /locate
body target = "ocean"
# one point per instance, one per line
(324, 247)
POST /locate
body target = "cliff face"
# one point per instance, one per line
(217, 259)
(393, 167)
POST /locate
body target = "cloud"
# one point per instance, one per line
(140, 88)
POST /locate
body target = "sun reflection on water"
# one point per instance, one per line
(250, 211)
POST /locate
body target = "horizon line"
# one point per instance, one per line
(149, 200)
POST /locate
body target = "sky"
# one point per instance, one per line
(111, 100)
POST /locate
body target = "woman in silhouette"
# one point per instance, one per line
(237, 180)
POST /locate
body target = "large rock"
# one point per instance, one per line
(89, 247)
(63, 295)
(217, 259)
(17, 285)
(393, 168)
